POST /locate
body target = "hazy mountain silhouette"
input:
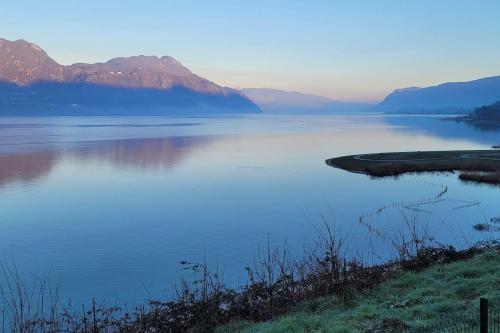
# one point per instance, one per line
(280, 101)
(485, 117)
(447, 97)
(32, 83)
(488, 112)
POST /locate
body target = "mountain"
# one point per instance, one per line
(489, 112)
(24, 63)
(485, 117)
(33, 83)
(142, 72)
(447, 97)
(279, 101)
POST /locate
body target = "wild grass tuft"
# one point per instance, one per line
(416, 299)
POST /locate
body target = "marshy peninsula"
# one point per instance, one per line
(474, 165)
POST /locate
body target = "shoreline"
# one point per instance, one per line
(277, 286)
(413, 300)
(473, 164)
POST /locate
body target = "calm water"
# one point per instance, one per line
(109, 206)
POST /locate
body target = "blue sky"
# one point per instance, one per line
(349, 50)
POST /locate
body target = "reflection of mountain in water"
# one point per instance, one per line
(141, 153)
(485, 126)
(26, 167)
(31, 167)
(447, 129)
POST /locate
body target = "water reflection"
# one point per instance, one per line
(441, 127)
(115, 209)
(142, 153)
(29, 168)
(485, 126)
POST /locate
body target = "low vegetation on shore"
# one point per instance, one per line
(476, 165)
(481, 177)
(414, 301)
(321, 279)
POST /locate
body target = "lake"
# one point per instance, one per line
(107, 207)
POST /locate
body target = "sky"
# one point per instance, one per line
(346, 50)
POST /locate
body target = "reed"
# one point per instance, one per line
(277, 284)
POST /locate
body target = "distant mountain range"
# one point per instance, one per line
(280, 101)
(446, 97)
(33, 83)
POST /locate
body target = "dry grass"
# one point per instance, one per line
(277, 285)
(477, 165)
(481, 177)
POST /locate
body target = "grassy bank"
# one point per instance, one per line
(412, 299)
(483, 165)
(313, 291)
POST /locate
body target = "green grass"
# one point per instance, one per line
(448, 291)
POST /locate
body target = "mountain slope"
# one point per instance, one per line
(141, 72)
(485, 117)
(24, 63)
(489, 112)
(280, 101)
(30, 81)
(451, 96)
